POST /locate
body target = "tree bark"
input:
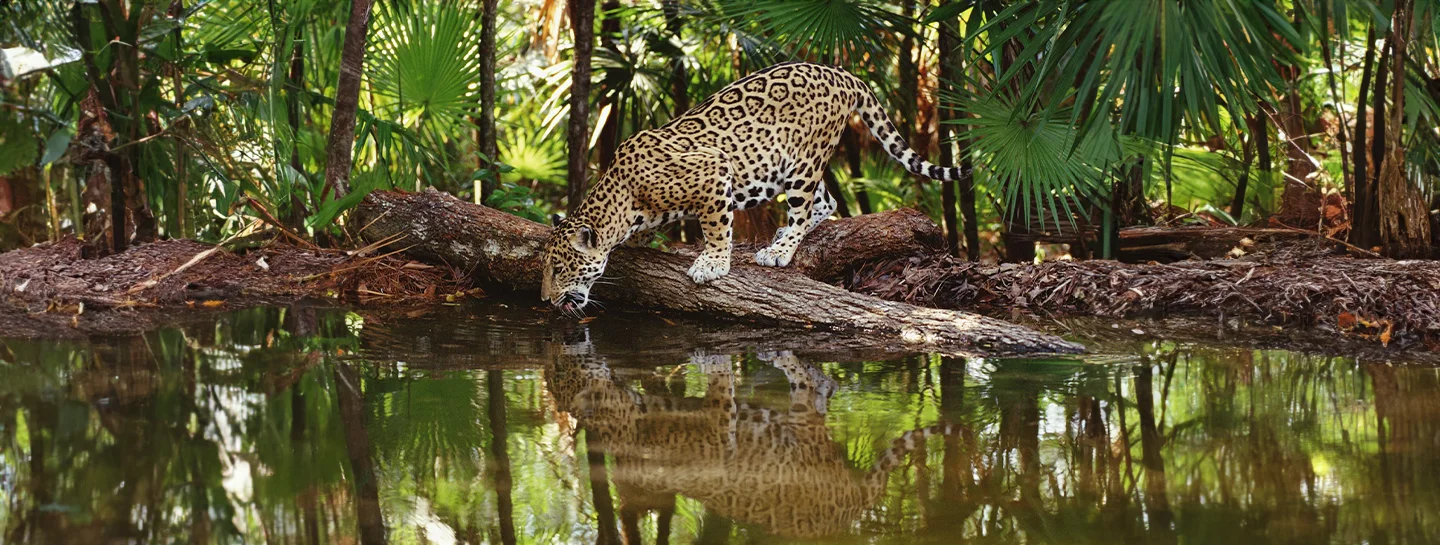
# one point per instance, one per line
(338, 159)
(1404, 214)
(950, 72)
(1300, 200)
(489, 146)
(582, 24)
(503, 250)
(1364, 232)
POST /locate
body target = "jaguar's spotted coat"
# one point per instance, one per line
(768, 134)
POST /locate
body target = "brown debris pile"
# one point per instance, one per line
(53, 279)
(1373, 298)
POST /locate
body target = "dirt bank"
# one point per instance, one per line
(1308, 285)
(49, 288)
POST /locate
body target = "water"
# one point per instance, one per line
(491, 424)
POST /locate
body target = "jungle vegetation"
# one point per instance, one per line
(199, 118)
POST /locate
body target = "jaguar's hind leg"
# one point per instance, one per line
(809, 205)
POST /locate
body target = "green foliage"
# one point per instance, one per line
(1155, 62)
(427, 61)
(1039, 164)
(519, 200)
(833, 31)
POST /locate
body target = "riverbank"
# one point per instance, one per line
(1378, 304)
(49, 290)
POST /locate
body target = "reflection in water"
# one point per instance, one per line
(311, 427)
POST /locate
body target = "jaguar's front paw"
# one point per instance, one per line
(770, 256)
(707, 268)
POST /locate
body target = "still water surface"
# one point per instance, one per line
(501, 425)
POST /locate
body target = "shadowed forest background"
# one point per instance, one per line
(199, 119)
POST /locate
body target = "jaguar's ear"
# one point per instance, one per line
(585, 239)
(556, 219)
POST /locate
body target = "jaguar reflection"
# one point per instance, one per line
(777, 469)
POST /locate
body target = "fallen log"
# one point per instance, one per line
(499, 249)
(1389, 302)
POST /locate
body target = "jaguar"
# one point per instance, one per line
(768, 135)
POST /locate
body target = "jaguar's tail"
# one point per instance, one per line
(874, 116)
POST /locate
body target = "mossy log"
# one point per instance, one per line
(501, 250)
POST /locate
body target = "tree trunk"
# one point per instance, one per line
(178, 222)
(1376, 150)
(908, 94)
(950, 72)
(504, 249)
(1404, 214)
(832, 186)
(582, 24)
(680, 93)
(851, 140)
(610, 100)
(347, 100)
(679, 77)
(1237, 203)
(296, 219)
(1265, 165)
(1364, 229)
(489, 146)
(1300, 200)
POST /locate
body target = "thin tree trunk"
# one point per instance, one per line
(487, 136)
(338, 159)
(908, 87)
(1371, 227)
(298, 212)
(582, 24)
(1299, 201)
(181, 157)
(1237, 204)
(680, 93)
(610, 100)
(1404, 214)
(950, 72)
(1335, 96)
(832, 186)
(679, 77)
(1364, 231)
(851, 140)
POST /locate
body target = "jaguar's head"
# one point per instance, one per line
(573, 260)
